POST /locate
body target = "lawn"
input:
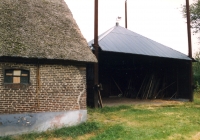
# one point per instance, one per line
(137, 122)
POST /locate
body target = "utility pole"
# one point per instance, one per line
(125, 13)
(189, 50)
(189, 29)
(96, 51)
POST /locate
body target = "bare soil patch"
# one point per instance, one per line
(116, 101)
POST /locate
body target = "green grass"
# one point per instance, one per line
(139, 122)
(72, 132)
(177, 122)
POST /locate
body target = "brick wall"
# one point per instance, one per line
(61, 88)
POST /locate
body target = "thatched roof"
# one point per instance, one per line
(41, 29)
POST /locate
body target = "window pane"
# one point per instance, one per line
(9, 74)
(24, 71)
(9, 71)
(24, 75)
(16, 80)
(17, 72)
(16, 76)
(24, 80)
(8, 79)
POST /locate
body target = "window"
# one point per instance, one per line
(16, 76)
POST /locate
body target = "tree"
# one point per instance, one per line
(196, 71)
(195, 25)
(194, 15)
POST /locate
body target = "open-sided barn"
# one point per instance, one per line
(131, 65)
(43, 58)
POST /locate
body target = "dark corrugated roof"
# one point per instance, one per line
(122, 40)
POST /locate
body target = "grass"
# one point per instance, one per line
(66, 132)
(138, 122)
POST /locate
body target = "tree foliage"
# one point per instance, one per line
(196, 70)
(195, 25)
(194, 15)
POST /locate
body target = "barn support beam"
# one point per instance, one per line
(96, 51)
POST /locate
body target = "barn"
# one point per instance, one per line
(134, 66)
(43, 58)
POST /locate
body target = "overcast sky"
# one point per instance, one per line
(159, 20)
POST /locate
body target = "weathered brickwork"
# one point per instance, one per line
(60, 88)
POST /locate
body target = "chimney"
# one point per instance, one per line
(117, 20)
(117, 23)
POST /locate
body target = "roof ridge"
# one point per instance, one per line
(106, 33)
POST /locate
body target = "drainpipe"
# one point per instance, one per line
(125, 13)
(189, 50)
(96, 50)
(38, 85)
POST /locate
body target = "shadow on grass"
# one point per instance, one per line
(73, 131)
(107, 109)
(77, 130)
(112, 133)
(5, 138)
(170, 106)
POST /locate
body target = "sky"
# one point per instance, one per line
(159, 20)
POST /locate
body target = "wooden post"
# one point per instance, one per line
(189, 51)
(96, 51)
(177, 83)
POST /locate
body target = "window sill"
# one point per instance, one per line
(16, 86)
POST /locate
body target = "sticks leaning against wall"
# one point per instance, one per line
(154, 86)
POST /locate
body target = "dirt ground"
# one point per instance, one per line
(116, 101)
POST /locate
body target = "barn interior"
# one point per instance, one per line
(142, 77)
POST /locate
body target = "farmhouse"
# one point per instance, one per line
(133, 66)
(43, 58)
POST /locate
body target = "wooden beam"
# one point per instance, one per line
(189, 50)
(96, 51)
